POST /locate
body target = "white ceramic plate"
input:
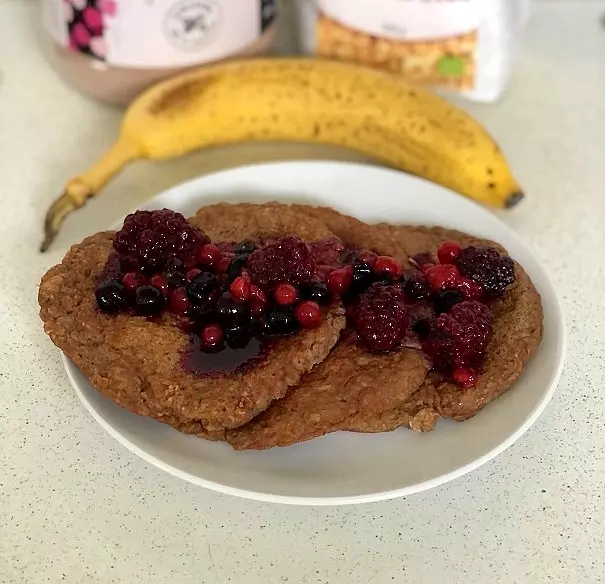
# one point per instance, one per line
(347, 468)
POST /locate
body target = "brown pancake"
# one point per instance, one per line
(137, 362)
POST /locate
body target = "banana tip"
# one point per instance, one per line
(48, 239)
(514, 199)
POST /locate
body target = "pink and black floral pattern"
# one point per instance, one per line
(86, 21)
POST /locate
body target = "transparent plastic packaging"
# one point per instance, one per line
(464, 46)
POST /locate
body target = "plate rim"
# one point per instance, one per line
(560, 332)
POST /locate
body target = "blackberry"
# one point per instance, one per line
(381, 317)
(149, 238)
(460, 337)
(486, 266)
(288, 259)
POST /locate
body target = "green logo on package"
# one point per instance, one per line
(451, 66)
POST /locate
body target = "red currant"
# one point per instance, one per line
(208, 255)
(448, 252)
(340, 280)
(308, 314)
(285, 293)
(193, 274)
(258, 294)
(387, 265)
(179, 303)
(211, 336)
(132, 280)
(464, 377)
(441, 276)
(160, 282)
(240, 289)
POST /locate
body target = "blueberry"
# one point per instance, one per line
(149, 300)
(445, 300)
(316, 292)
(245, 248)
(201, 288)
(280, 323)
(415, 284)
(111, 296)
(238, 336)
(204, 313)
(230, 313)
(362, 275)
(236, 266)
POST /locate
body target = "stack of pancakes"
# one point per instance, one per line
(313, 383)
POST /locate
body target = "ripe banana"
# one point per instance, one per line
(399, 123)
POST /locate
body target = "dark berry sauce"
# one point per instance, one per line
(235, 300)
(225, 361)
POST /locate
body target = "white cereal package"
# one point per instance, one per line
(466, 46)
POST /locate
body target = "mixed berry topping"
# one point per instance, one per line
(238, 298)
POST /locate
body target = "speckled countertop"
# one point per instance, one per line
(77, 507)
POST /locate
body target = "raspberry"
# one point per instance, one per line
(381, 317)
(469, 289)
(149, 238)
(442, 276)
(288, 259)
(459, 338)
(448, 252)
(486, 266)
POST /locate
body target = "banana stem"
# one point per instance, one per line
(78, 190)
